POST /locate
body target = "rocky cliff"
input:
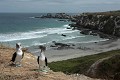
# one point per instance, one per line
(105, 22)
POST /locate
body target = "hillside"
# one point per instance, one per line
(108, 13)
(28, 71)
(98, 23)
(108, 64)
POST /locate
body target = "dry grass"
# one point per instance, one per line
(29, 69)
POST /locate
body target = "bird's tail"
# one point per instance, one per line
(46, 62)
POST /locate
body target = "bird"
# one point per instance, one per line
(18, 55)
(42, 59)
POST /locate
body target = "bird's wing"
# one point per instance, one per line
(38, 59)
(22, 54)
(46, 61)
(14, 56)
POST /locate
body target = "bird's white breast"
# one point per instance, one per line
(42, 56)
(19, 52)
(19, 55)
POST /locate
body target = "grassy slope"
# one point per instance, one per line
(114, 13)
(80, 65)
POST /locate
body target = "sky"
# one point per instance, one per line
(54, 6)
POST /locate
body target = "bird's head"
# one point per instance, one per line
(43, 48)
(18, 46)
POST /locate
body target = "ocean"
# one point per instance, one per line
(30, 31)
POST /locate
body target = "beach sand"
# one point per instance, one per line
(78, 50)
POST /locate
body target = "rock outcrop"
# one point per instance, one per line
(57, 15)
(106, 23)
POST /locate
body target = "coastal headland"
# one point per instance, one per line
(102, 23)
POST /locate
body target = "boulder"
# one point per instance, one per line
(63, 35)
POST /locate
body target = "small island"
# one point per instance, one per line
(56, 15)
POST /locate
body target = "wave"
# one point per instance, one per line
(18, 36)
(31, 17)
(72, 37)
(40, 33)
(66, 25)
(90, 41)
(35, 43)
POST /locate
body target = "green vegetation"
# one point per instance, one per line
(109, 68)
(109, 13)
(81, 64)
(104, 22)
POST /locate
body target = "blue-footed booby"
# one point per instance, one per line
(18, 55)
(42, 60)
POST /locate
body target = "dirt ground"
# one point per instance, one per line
(29, 69)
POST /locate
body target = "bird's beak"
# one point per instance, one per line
(17, 46)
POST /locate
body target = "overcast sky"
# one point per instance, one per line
(69, 6)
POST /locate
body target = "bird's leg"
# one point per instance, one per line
(40, 67)
(16, 64)
(46, 68)
(19, 65)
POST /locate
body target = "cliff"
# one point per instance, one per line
(29, 69)
(105, 22)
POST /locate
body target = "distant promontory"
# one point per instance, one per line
(100, 22)
(105, 24)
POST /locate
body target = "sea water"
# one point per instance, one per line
(30, 31)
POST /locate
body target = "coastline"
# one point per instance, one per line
(78, 50)
(29, 69)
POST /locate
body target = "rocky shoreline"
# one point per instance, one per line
(106, 24)
(56, 15)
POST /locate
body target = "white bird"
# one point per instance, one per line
(18, 55)
(42, 60)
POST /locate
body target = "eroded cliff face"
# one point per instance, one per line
(108, 24)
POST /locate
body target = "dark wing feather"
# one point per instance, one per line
(46, 61)
(22, 54)
(14, 56)
(38, 59)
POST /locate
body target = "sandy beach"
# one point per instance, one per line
(78, 50)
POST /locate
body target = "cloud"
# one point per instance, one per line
(57, 5)
(69, 1)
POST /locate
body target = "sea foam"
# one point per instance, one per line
(40, 33)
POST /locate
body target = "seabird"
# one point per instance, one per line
(42, 60)
(18, 55)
